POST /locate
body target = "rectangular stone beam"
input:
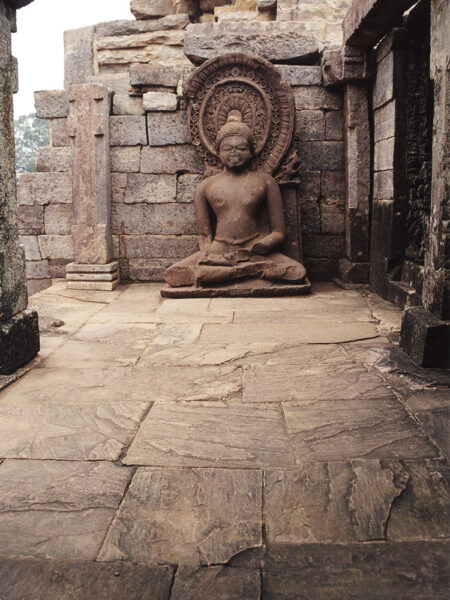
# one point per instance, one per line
(367, 21)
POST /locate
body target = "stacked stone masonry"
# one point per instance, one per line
(154, 167)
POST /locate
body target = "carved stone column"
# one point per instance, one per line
(88, 126)
(348, 67)
(19, 332)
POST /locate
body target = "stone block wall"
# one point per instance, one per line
(154, 168)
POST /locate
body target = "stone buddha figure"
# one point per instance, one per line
(240, 220)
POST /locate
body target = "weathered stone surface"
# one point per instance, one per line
(31, 247)
(216, 582)
(117, 82)
(301, 75)
(113, 28)
(314, 381)
(78, 55)
(380, 571)
(41, 579)
(278, 42)
(204, 527)
(51, 104)
(317, 98)
(42, 501)
(38, 269)
(169, 219)
(171, 159)
(425, 338)
(141, 40)
(125, 159)
(366, 23)
(147, 269)
(89, 125)
(151, 189)
(44, 188)
(334, 129)
(31, 219)
(167, 129)
(384, 121)
(383, 90)
(309, 333)
(124, 104)
(58, 133)
(186, 186)
(432, 408)
(160, 101)
(56, 246)
(158, 54)
(255, 436)
(19, 341)
(353, 429)
(345, 65)
(154, 76)
(383, 185)
(58, 219)
(127, 131)
(67, 431)
(322, 155)
(309, 125)
(53, 159)
(149, 9)
(160, 246)
(321, 246)
(384, 154)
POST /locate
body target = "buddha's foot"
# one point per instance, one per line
(179, 276)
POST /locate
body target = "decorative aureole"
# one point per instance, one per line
(241, 120)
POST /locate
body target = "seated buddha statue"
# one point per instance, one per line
(240, 220)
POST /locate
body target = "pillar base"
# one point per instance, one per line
(92, 277)
(425, 338)
(19, 341)
(353, 272)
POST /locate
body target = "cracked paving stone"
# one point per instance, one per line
(140, 333)
(191, 384)
(324, 430)
(285, 333)
(313, 381)
(375, 571)
(67, 431)
(211, 434)
(57, 509)
(201, 354)
(27, 579)
(362, 500)
(432, 408)
(186, 516)
(297, 355)
(220, 583)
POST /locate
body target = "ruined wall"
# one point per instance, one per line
(154, 168)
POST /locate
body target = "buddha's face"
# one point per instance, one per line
(235, 151)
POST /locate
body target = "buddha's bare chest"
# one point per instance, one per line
(238, 196)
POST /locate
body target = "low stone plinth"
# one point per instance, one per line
(425, 338)
(252, 288)
(92, 277)
(19, 341)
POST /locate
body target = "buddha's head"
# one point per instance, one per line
(235, 142)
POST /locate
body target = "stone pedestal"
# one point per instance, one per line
(88, 126)
(19, 333)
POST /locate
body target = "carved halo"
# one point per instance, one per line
(252, 85)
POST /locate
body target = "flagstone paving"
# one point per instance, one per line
(232, 449)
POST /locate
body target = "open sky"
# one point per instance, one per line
(38, 43)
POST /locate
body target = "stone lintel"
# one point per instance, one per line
(425, 338)
(367, 22)
(345, 64)
(88, 128)
(19, 341)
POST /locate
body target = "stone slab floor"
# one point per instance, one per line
(225, 449)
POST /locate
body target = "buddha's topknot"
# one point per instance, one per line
(234, 126)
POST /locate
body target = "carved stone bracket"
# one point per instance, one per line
(252, 85)
(344, 65)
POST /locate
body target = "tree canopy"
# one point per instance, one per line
(30, 133)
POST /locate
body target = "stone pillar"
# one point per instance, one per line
(88, 126)
(348, 67)
(425, 332)
(19, 332)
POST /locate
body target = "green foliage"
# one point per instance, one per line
(31, 133)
